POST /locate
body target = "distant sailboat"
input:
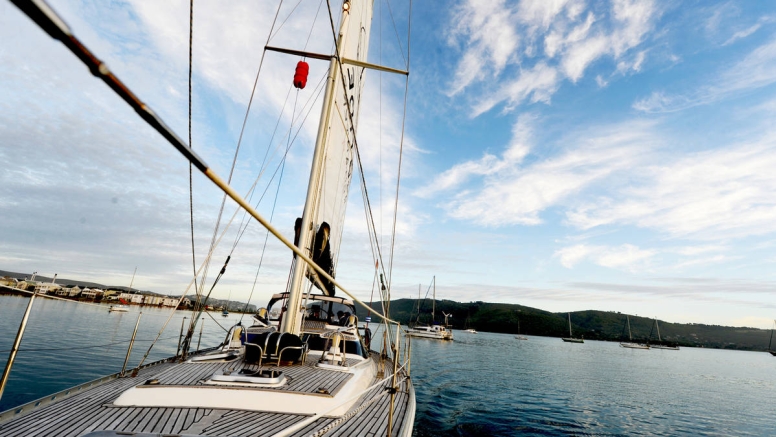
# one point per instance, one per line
(630, 344)
(771, 351)
(518, 336)
(124, 307)
(570, 338)
(660, 344)
(467, 325)
(225, 311)
(434, 330)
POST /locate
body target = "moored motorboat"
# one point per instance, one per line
(118, 309)
(436, 332)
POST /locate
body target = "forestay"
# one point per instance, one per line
(331, 188)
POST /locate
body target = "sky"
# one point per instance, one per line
(567, 155)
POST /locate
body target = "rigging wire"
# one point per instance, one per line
(57, 29)
(271, 35)
(309, 109)
(401, 150)
(77, 348)
(191, 167)
(234, 161)
(239, 143)
(396, 31)
(263, 163)
(350, 112)
(277, 192)
(264, 248)
(355, 142)
(401, 144)
(241, 229)
(229, 223)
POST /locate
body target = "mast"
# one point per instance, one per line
(433, 301)
(417, 319)
(570, 335)
(132, 281)
(627, 319)
(658, 331)
(333, 142)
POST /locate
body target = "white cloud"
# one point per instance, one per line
(697, 250)
(489, 38)
(742, 34)
(572, 255)
(529, 47)
(756, 70)
(711, 195)
(536, 84)
(489, 164)
(625, 257)
(513, 193)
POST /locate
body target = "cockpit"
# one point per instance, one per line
(323, 316)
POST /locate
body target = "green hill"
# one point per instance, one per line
(590, 324)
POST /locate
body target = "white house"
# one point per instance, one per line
(170, 301)
(9, 281)
(69, 292)
(48, 287)
(92, 293)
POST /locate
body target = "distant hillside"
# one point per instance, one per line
(591, 324)
(65, 281)
(233, 305)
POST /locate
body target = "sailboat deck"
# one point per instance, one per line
(93, 410)
(301, 379)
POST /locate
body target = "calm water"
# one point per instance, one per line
(478, 385)
(57, 351)
(492, 384)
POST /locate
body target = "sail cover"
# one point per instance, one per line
(339, 143)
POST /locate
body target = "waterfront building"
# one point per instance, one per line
(69, 292)
(9, 281)
(92, 293)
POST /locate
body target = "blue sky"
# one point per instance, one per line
(566, 155)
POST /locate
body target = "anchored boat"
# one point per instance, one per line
(434, 330)
(660, 344)
(630, 344)
(571, 338)
(307, 371)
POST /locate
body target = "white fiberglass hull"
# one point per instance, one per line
(432, 335)
(634, 345)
